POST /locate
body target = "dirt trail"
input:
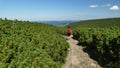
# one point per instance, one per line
(77, 58)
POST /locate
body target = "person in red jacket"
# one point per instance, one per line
(69, 31)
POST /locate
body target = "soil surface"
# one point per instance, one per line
(77, 58)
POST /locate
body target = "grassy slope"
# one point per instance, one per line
(97, 23)
(29, 44)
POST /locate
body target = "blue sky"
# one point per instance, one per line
(59, 9)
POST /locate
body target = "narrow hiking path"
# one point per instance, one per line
(77, 58)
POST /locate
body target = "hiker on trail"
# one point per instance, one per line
(69, 31)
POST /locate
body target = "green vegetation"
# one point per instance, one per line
(104, 43)
(97, 23)
(25, 44)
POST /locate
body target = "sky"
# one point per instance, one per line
(36, 10)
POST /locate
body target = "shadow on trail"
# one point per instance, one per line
(92, 53)
(106, 57)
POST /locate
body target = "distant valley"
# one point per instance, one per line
(57, 23)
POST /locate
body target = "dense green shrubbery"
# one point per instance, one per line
(30, 45)
(104, 41)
